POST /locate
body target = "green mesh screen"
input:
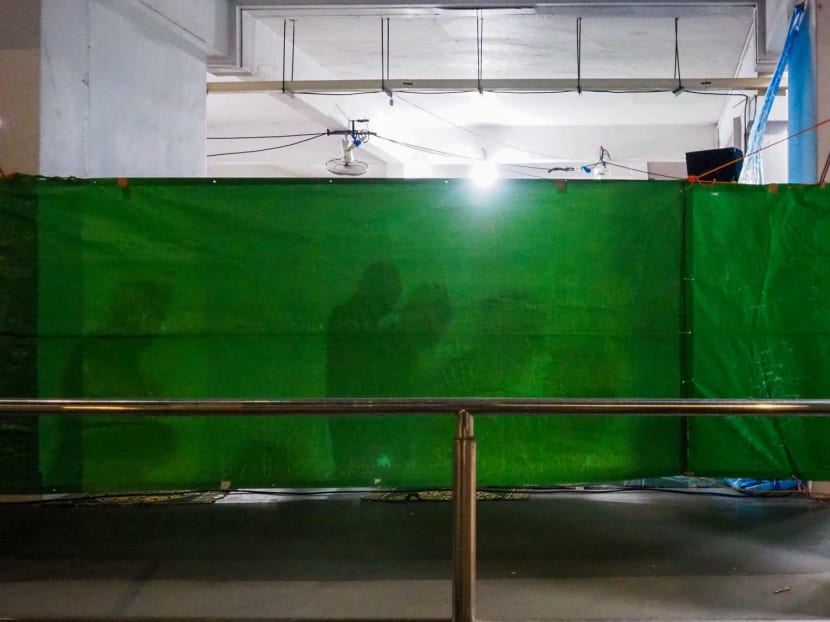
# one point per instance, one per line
(245, 289)
(761, 326)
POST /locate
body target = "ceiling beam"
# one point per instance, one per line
(539, 85)
(451, 5)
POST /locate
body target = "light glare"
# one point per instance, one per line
(484, 174)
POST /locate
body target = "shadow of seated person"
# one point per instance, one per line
(103, 452)
(357, 361)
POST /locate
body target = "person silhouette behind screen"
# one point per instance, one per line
(108, 364)
(357, 354)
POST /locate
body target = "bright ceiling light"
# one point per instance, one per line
(484, 173)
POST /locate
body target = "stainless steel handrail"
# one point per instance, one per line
(415, 406)
(464, 452)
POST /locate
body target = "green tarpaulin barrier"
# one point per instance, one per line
(307, 288)
(761, 326)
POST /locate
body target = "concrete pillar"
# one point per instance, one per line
(19, 85)
(103, 88)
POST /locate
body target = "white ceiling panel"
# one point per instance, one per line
(619, 40)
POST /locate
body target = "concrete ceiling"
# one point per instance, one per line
(517, 46)
(539, 129)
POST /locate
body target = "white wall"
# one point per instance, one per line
(122, 92)
(19, 85)
(205, 22)
(778, 13)
(735, 107)
(665, 170)
(64, 106)
(774, 160)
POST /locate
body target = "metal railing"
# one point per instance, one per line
(464, 451)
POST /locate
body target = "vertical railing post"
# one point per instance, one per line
(464, 520)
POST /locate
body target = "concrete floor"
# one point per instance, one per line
(598, 557)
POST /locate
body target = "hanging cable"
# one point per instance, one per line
(284, 38)
(388, 47)
(677, 77)
(337, 93)
(263, 136)
(304, 140)
(728, 94)
(479, 49)
(388, 63)
(413, 495)
(479, 135)
(510, 167)
(382, 63)
(447, 154)
(428, 150)
(385, 56)
(293, 47)
(579, 55)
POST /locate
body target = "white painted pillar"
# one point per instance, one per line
(104, 88)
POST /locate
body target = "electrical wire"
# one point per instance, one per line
(448, 92)
(520, 172)
(520, 92)
(388, 48)
(480, 48)
(479, 135)
(547, 169)
(734, 493)
(719, 484)
(746, 105)
(384, 54)
(304, 140)
(293, 46)
(757, 151)
(579, 55)
(428, 150)
(284, 39)
(190, 492)
(338, 94)
(438, 152)
(679, 88)
(524, 92)
(263, 136)
(729, 94)
(638, 170)
(603, 154)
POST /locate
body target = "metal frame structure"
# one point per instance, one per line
(464, 454)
